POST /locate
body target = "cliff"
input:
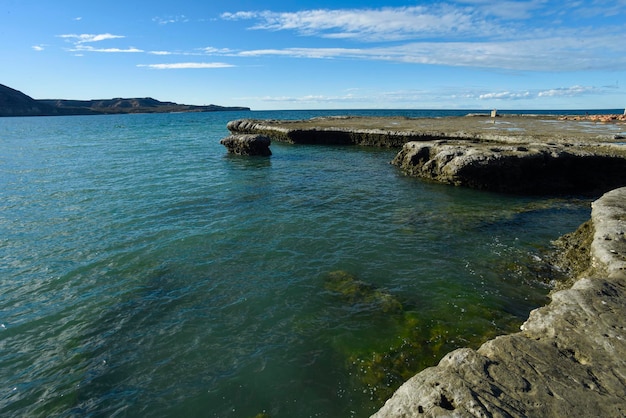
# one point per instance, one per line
(569, 359)
(16, 103)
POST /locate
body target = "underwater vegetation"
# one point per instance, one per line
(414, 342)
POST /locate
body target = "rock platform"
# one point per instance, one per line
(529, 154)
(569, 359)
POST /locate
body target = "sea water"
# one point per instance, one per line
(146, 272)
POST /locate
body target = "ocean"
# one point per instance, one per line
(146, 272)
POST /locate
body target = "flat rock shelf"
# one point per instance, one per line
(569, 359)
(512, 154)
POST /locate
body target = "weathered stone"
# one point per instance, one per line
(527, 168)
(568, 360)
(247, 144)
(517, 154)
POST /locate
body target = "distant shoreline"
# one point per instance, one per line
(15, 103)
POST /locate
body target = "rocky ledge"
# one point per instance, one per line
(515, 154)
(525, 168)
(569, 358)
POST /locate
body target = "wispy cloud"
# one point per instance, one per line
(38, 47)
(572, 91)
(553, 54)
(86, 37)
(385, 24)
(411, 97)
(170, 19)
(452, 20)
(505, 95)
(186, 65)
(87, 48)
(472, 33)
(216, 51)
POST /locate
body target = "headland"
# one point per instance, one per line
(16, 103)
(569, 359)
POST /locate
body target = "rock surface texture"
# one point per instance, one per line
(248, 144)
(569, 358)
(525, 168)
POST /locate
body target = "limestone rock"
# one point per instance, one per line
(523, 168)
(568, 360)
(247, 144)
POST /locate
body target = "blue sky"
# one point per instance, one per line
(344, 54)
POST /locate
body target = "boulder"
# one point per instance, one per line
(247, 144)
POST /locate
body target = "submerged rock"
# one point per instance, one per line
(247, 144)
(355, 291)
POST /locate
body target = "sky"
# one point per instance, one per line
(322, 54)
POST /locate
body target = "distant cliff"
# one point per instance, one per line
(16, 103)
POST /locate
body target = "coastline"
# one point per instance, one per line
(569, 357)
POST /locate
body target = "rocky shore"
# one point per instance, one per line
(569, 359)
(514, 154)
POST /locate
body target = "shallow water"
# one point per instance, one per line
(145, 272)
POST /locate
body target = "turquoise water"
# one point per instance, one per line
(145, 272)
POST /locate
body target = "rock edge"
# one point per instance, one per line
(247, 144)
(516, 154)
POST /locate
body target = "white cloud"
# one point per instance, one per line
(86, 37)
(186, 65)
(506, 95)
(170, 19)
(452, 20)
(389, 23)
(217, 51)
(550, 54)
(536, 35)
(515, 10)
(87, 48)
(572, 91)
(38, 47)
(568, 91)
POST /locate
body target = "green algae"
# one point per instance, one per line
(410, 340)
(354, 291)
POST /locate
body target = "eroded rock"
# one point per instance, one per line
(247, 144)
(527, 168)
